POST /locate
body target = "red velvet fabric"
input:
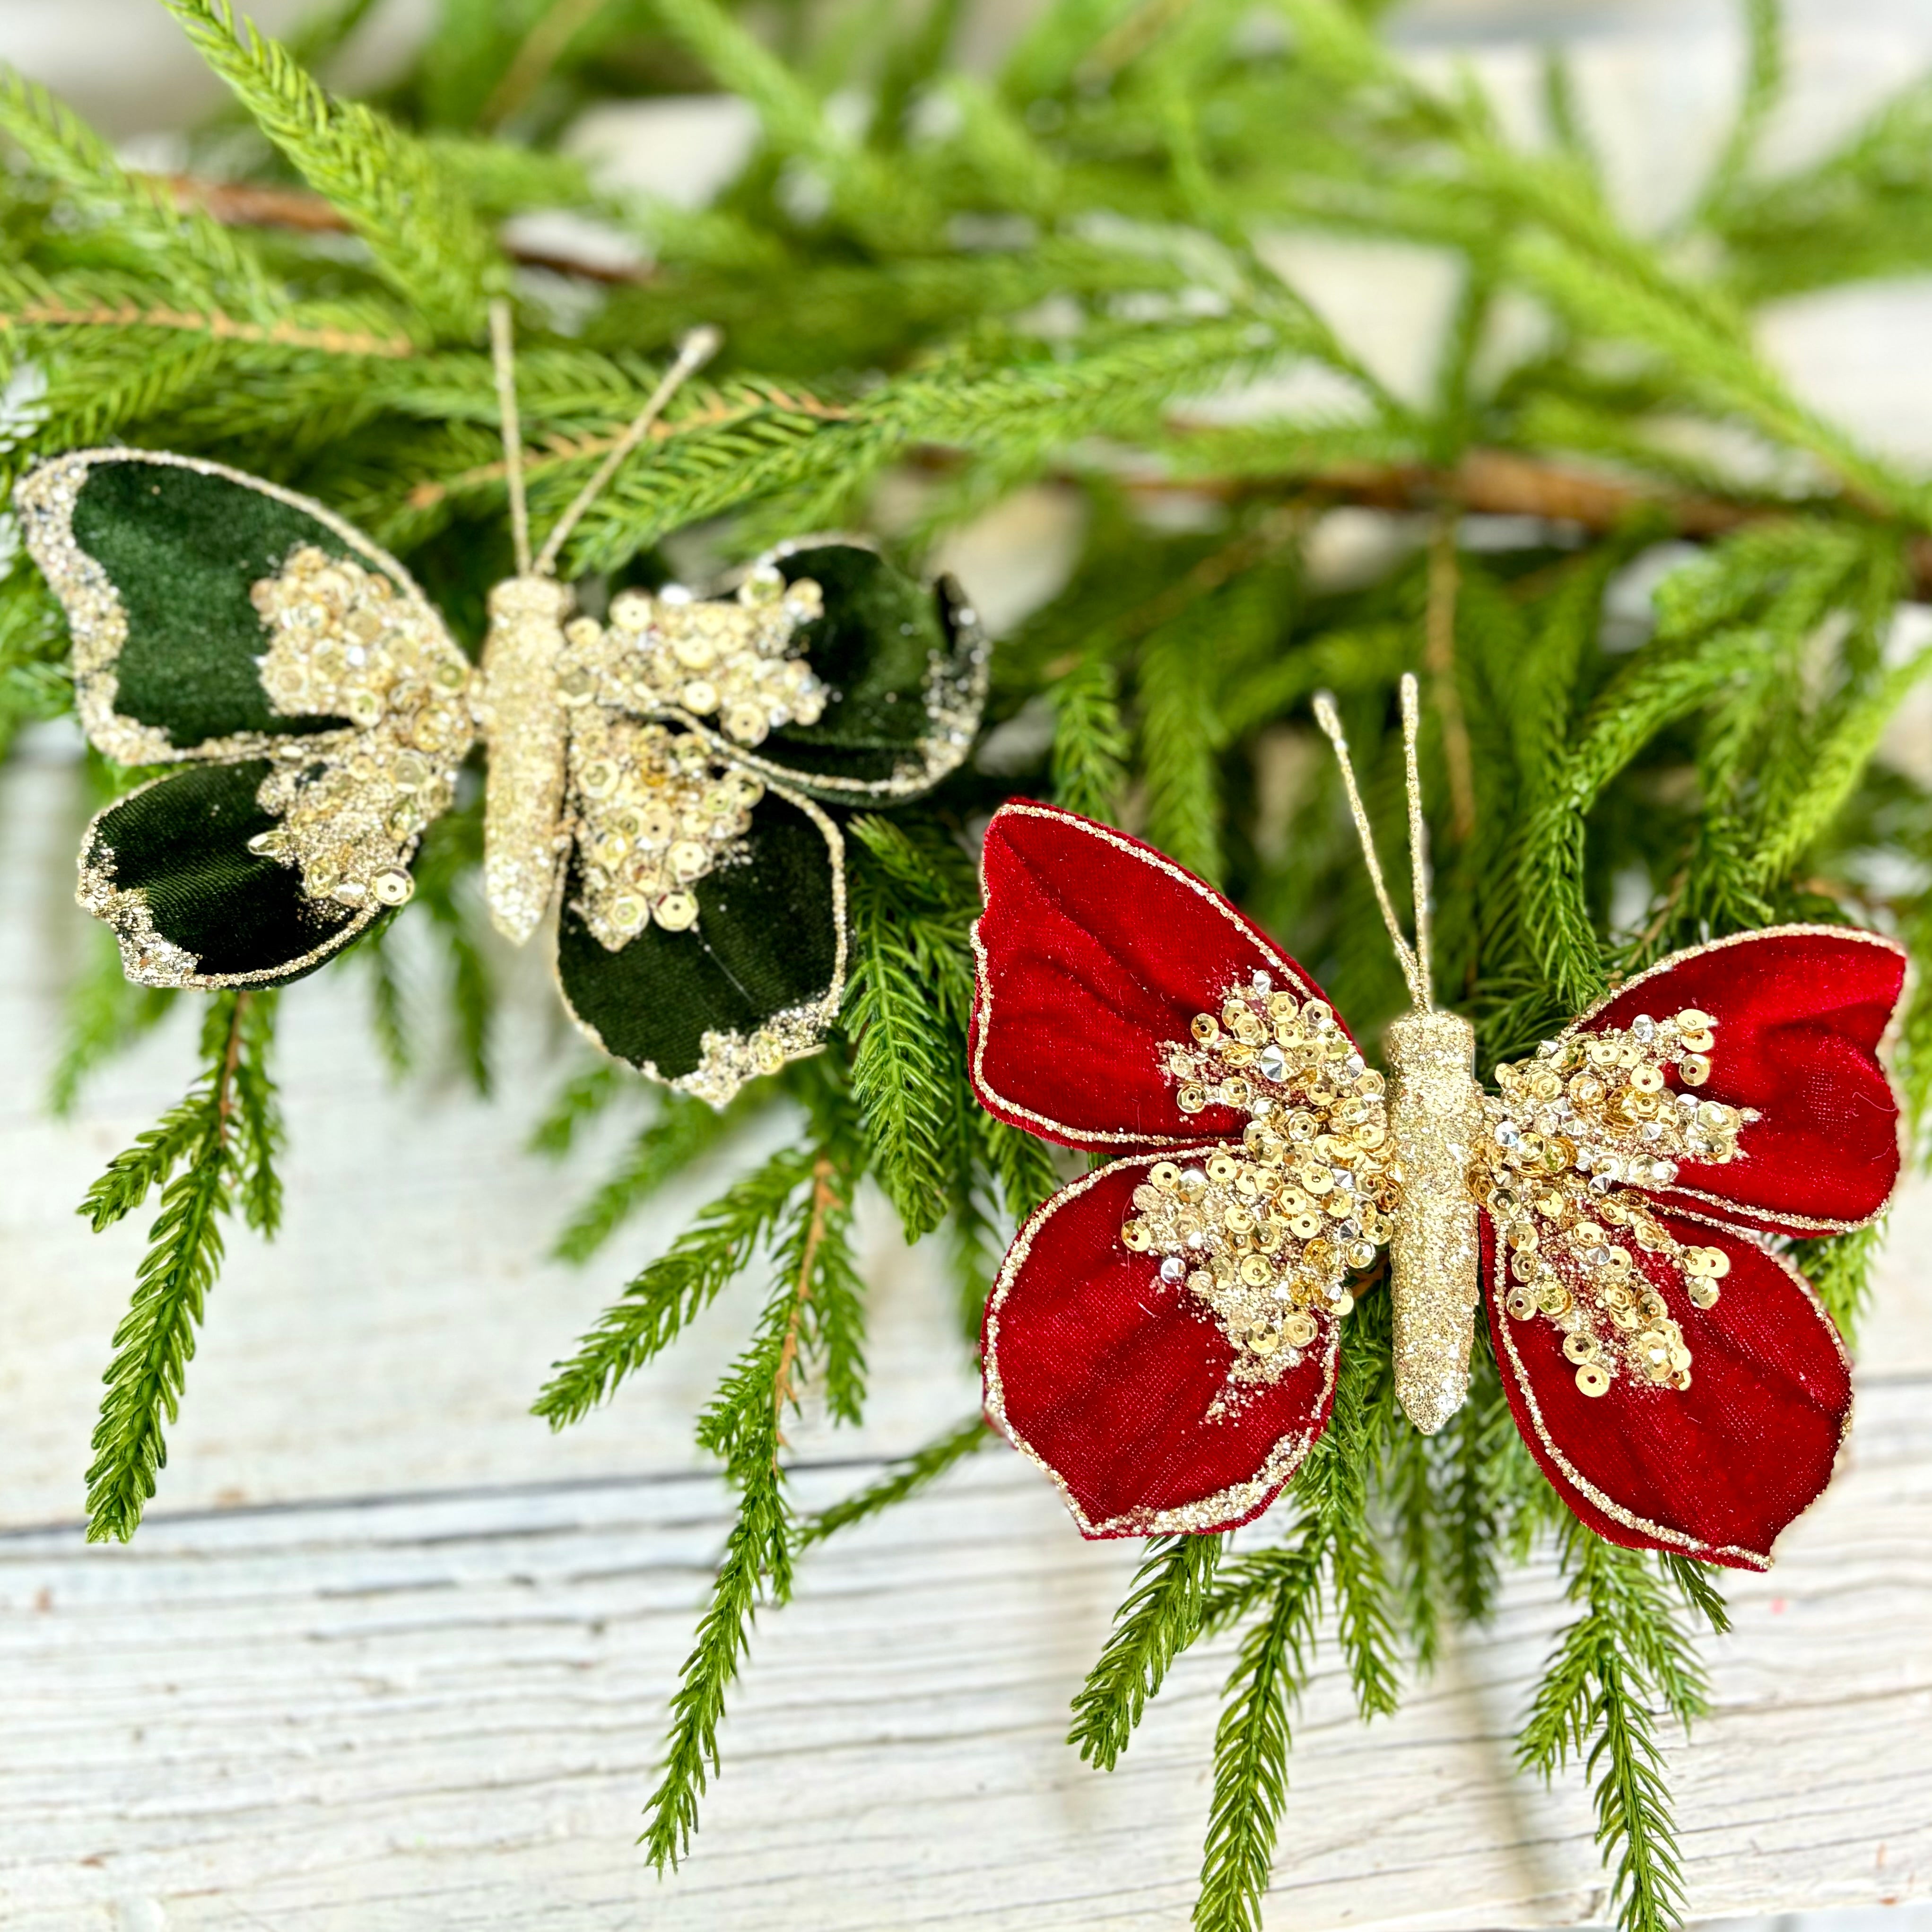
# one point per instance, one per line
(1714, 1471)
(1095, 953)
(1106, 1373)
(1801, 1012)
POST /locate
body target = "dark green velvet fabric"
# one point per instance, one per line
(182, 549)
(185, 840)
(765, 941)
(872, 649)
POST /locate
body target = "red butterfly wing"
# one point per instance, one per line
(1095, 953)
(1713, 1471)
(1117, 1382)
(1802, 1015)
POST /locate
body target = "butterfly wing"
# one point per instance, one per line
(702, 933)
(1120, 1383)
(1680, 1383)
(318, 703)
(898, 678)
(1801, 1018)
(1713, 1469)
(1096, 954)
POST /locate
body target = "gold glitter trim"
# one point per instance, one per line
(1285, 1456)
(98, 621)
(728, 1060)
(1680, 1539)
(341, 644)
(1044, 1123)
(1264, 1235)
(147, 958)
(524, 837)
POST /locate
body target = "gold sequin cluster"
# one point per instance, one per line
(726, 660)
(344, 643)
(1265, 1234)
(656, 811)
(1588, 1118)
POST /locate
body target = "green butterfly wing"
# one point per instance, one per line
(313, 693)
(726, 978)
(897, 672)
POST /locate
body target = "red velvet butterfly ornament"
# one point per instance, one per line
(1162, 1337)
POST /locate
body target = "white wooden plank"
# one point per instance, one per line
(444, 1712)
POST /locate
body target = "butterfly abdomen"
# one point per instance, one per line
(1434, 1115)
(523, 800)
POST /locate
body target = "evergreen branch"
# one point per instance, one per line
(423, 235)
(803, 1317)
(1090, 742)
(1180, 737)
(684, 1131)
(1251, 1742)
(1592, 1701)
(908, 990)
(1660, 685)
(224, 1132)
(667, 1294)
(208, 261)
(1160, 1617)
(581, 1099)
(904, 1479)
(722, 1641)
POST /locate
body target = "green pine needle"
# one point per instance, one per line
(220, 1141)
(684, 1131)
(903, 1480)
(1159, 1617)
(656, 1306)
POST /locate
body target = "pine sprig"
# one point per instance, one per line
(222, 1137)
(1159, 1618)
(421, 233)
(684, 1131)
(908, 991)
(1593, 1703)
(811, 1317)
(655, 1306)
(1251, 1742)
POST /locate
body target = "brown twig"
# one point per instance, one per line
(224, 1086)
(132, 315)
(1439, 656)
(824, 1198)
(244, 205)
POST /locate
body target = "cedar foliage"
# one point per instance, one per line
(989, 282)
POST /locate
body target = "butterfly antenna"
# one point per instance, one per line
(1327, 716)
(1418, 826)
(696, 350)
(502, 355)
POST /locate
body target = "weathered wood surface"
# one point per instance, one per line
(443, 1711)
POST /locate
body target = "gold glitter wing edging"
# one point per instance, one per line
(1285, 1456)
(728, 1060)
(1045, 1124)
(150, 959)
(98, 621)
(1664, 1533)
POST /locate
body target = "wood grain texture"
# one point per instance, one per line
(443, 1712)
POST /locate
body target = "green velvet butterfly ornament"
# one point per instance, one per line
(660, 776)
